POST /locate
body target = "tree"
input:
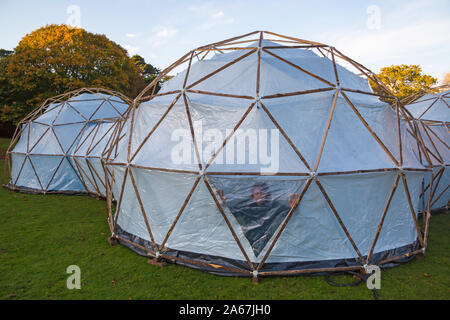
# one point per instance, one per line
(5, 53)
(147, 71)
(58, 58)
(6, 88)
(404, 80)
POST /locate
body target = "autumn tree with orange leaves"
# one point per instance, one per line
(59, 58)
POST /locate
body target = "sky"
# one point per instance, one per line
(375, 33)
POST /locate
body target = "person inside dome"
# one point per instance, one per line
(259, 214)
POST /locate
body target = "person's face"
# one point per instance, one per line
(258, 195)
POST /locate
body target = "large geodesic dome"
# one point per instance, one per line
(431, 113)
(267, 155)
(58, 148)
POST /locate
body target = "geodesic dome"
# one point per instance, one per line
(198, 182)
(58, 147)
(431, 114)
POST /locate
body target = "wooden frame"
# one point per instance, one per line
(426, 131)
(91, 179)
(251, 45)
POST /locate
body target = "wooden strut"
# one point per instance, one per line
(209, 265)
(78, 174)
(440, 194)
(108, 145)
(227, 95)
(366, 93)
(426, 188)
(155, 127)
(220, 69)
(53, 175)
(216, 153)
(95, 174)
(20, 170)
(34, 170)
(109, 197)
(284, 223)
(439, 138)
(144, 215)
(131, 132)
(423, 201)
(258, 67)
(418, 136)
(119, 203)
(409, 254)
(299, 68)
(101, 139)
(258, 173)
(296, 93)
(370, 129)
(380, 225)
(120, 125)
(38, 140)
(186, 201)
(74, 109)
(219, 206)
(439, 174)
(413, 127)
(81, 172)
(432, 143)
(161, 169)
(333, 209)
(428, 210)
(399, 133)
(322, 145)
(369, 74)
(429, 107)
(286, 137)
(79, 145)
(334, 67)
(191, 127)
(97, 128)
(295, 39)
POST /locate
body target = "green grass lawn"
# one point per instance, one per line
(40, 236)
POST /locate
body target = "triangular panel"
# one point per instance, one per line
(259, 205)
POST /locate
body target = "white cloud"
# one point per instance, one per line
(161, 35)
(217, 15)
(415, 42)
(210, 15)
(131, 35)
(396, 42)
(164, 32)
(132, 50)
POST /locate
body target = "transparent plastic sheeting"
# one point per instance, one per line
(43, 158)
(45, 166)
(441, 190)
(436, 138)
(276, 76)
(90, 151)
(312, 234)
(434, 107)
(303, 118)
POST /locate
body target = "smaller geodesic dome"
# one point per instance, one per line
(431, 107)
(431, 112)
(93, 146)
(57, 148)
